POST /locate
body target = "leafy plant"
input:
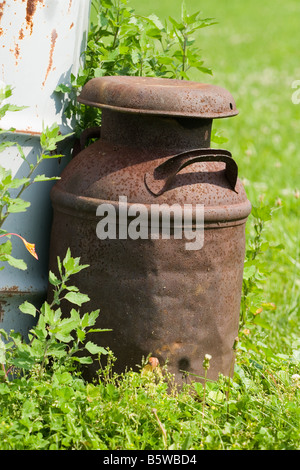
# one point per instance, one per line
(55, 342)
(120, 42)
(186, 56)
(6, 92)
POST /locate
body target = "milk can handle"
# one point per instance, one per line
(89, 133)
(160, 179)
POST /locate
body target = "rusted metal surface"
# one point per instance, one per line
(159, 96)
(157, 297)
(160, 179)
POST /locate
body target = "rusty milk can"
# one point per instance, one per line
(157, 295)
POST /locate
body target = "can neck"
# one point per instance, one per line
(155, 132)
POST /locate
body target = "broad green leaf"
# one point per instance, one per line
(93, 392)
(57, 350)
(204, 70)
(24, 361)
(156, 21)
(5, 92)
(80, 334)
(65, 338)
(177, 25)
(83, 360)
(92, 317)
(45, 178)
(72, 265)
(49, 139)
(165, 60)
(94, 348)
(76, 298)
(48, 313)
(217, 395)
(71, 288)
(14, 262)
(46, 156)
(28, 308)
(5, 248)
(4, 334)
(17, 205)
(154, 33)
(65, 326)
(16, 183)
(5, 145)
(75, 316)
(62, 88)
(249, 271)
(62, 377)
(53, 279)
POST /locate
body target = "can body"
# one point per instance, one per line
(157, 296)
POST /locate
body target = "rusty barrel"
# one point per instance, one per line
(158, 292)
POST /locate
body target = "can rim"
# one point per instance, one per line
(84, 206)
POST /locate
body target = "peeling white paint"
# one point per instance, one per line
(41, 42)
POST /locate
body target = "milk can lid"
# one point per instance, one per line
(162, 96)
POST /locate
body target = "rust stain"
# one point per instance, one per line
(1, 8)
(30, 11)
(70, 5)
(26, 131)
(17, 53)
(2, 4)
(31, 6)
(72, 25)
(21, 34)
(13, 289)
(53, 41)
(172, 348)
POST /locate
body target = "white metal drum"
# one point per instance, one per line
(41, 44)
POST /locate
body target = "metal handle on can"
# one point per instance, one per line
(160, 179)
(89, 133)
